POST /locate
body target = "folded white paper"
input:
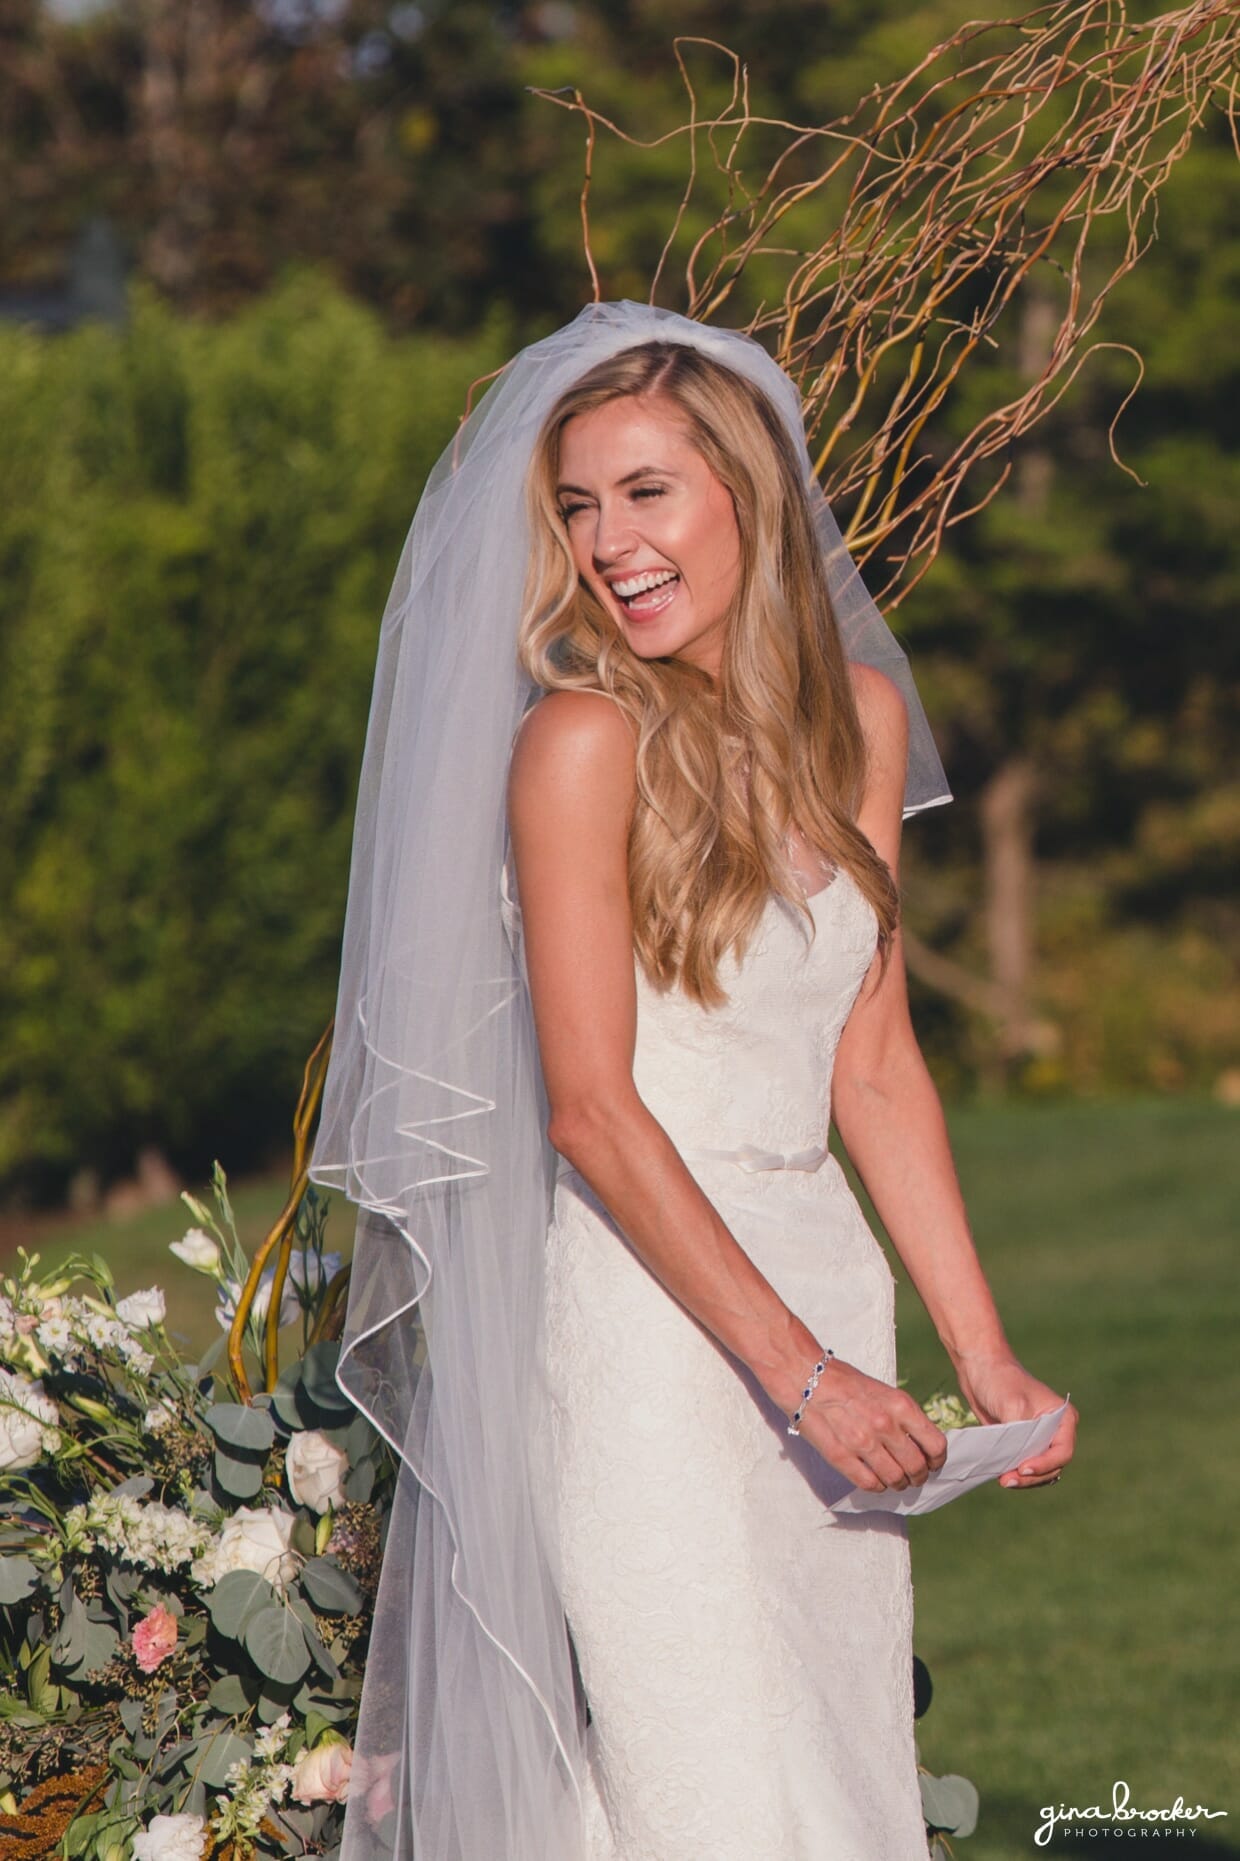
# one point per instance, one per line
(974, 1455)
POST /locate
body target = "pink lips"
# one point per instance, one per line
(652, 602)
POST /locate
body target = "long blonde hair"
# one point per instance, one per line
(724, 768)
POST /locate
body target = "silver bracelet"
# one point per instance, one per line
(794, 1426)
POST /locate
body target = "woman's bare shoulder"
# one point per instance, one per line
(882, 712)
(573, 727)
(573, 749)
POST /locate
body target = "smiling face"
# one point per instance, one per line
(652, 530)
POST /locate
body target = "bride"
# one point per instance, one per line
(622, 943)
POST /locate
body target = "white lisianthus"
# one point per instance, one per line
(196, 1249)
(28, 1420)
(254, 1538)
(316, 1469)
(141, 1310)
(171, 1838)
(311, 1272)
(230, 1291)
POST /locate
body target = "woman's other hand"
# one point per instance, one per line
(999, 1389)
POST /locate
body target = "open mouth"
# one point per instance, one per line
(645, 595)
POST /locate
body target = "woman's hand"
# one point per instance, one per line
(876, 1435)
(999, 1389)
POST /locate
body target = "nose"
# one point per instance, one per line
(613, 536)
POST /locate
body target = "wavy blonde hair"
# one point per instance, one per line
(724, 768)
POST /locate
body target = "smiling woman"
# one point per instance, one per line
(655, 542)
(675, 566)
(625, 879)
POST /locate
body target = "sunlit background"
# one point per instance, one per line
(251, 258)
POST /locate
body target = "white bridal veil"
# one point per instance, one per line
(434, 1123)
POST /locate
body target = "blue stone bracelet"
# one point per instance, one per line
(794, 1426)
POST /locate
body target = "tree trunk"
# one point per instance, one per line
(1007, 850)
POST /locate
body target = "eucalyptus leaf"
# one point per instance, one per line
(137, 1486)
(219, 1753)
(318, 1378)
(275, 1700)
(318, 1649)
(360, 1439)
(101, 1643)
(240, 1479)
(70, 1643)
(276, 1642)
(131, 1711)
(309, 1699)
(949, 1804)
(236, 1597)
(239, 1425)
(231, 1695)
(360, 1482)
(19, 1578)
(329, 1587)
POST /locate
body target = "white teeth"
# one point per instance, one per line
(641, 584)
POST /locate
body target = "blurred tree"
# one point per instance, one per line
(197, 532)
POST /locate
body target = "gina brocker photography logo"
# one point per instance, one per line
(1123, 1820)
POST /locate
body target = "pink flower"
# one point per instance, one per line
(154, 1638)
(373, 1777)
(322, 1775)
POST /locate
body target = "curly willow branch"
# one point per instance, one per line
(280, 1240)
(901, 232)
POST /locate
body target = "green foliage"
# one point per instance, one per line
(195, 1648)
(198, 528)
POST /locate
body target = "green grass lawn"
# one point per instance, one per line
(1086, 1633)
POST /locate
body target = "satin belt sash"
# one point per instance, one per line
(750, 1157)
(746, 1156)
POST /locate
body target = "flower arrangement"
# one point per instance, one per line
(187, 1570)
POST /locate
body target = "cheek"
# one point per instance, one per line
(725, 542)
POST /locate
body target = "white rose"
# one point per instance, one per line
(315, 1470)
(142, 1309)
(171, 1838)
(27, 1422)
(197, 1250)
(254, 1538)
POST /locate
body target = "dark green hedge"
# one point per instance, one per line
(198, 526)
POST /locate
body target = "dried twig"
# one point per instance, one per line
(900, 233)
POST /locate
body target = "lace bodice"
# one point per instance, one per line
(757, 1070)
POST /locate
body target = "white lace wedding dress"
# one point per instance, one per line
(746, 1655)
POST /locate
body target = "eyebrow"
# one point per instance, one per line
(643, 471)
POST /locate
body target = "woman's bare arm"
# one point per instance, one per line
(889, 1115)
(570, 802)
